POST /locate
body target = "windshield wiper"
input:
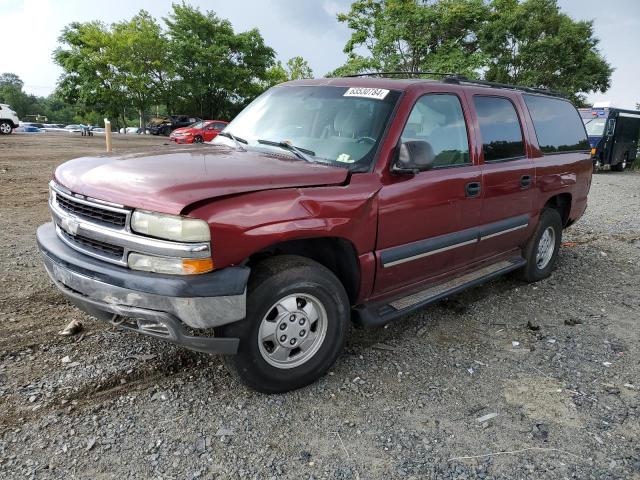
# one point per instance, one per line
(237, 140)
(302, 153)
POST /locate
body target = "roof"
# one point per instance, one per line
(378, 80)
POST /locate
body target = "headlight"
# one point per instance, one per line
(173, 266)
(170, 227)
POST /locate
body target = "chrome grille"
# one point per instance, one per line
(91, 212)
(101, 230)
(100, 248)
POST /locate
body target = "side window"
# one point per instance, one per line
(499, 128)
(437, 119)
(219, 126)
(558, 125)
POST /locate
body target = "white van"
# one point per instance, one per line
(8, 119)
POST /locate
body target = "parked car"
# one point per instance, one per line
(8, 119)
(323, 202)
(166, 125)
(132, 130)
(26, 127)
(613, 134)
(203, 131)
(74, 128)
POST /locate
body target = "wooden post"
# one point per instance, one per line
(107, 134)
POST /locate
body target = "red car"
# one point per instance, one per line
(199, 132)
(322, 203)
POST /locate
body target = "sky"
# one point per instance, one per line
(307, 28)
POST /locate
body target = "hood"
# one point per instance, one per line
(170, 180)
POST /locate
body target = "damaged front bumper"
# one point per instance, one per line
(152, 304)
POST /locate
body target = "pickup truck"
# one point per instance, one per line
(323, 203)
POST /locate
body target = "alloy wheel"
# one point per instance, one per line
(292, 331)
(546, 248)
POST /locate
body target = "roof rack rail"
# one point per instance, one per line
(485, 83)
(397, 74)
(457, 79)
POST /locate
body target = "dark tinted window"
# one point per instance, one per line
(438, 120)
(558, 125)
(500, 129)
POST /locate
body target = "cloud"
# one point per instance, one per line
(317, 16)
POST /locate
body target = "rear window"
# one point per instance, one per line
(558, 125)
(499, 128)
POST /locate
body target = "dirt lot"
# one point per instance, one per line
(402, 402)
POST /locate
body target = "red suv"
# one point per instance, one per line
(202, 131)
(324, 202)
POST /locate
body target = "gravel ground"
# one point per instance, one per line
(405, 401)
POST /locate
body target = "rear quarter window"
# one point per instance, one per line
(558, 125)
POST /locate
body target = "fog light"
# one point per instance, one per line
(172, 266)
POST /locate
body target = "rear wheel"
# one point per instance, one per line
(5, 127)
(296, 324)
(542, 249)
(621, 166)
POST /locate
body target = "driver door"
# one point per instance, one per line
(422, 234)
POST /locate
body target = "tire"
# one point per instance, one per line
(280, 293)
(541, 261)
(5, 127)
(619, 167)
(197, 139)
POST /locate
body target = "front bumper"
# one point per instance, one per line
(152, 304)
(181, 139)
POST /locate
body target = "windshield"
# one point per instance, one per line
(197, 125)
(595, 126)
(336, 125)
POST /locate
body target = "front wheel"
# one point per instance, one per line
(295, 328)
(542, 249)
(5, 127)
(197, 139)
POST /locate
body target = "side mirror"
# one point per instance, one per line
(413, 156)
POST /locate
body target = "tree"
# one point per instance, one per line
(533, 43)
(414, 35)
(139, 55)
(217, 71)
(526, 42)
(296, 68)
(89, 77)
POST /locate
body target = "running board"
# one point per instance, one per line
(381, 313)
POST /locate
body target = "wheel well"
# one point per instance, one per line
(337, 254)
(561, 203)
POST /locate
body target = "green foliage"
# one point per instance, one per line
(216, 71)
(414, 35)
(296, 68)
(193, 64)
(526, 42)
(24, 104)
(533, 43)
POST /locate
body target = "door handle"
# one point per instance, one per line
(525, 181)
(472, 189)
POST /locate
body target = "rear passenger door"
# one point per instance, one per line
(508, 176)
